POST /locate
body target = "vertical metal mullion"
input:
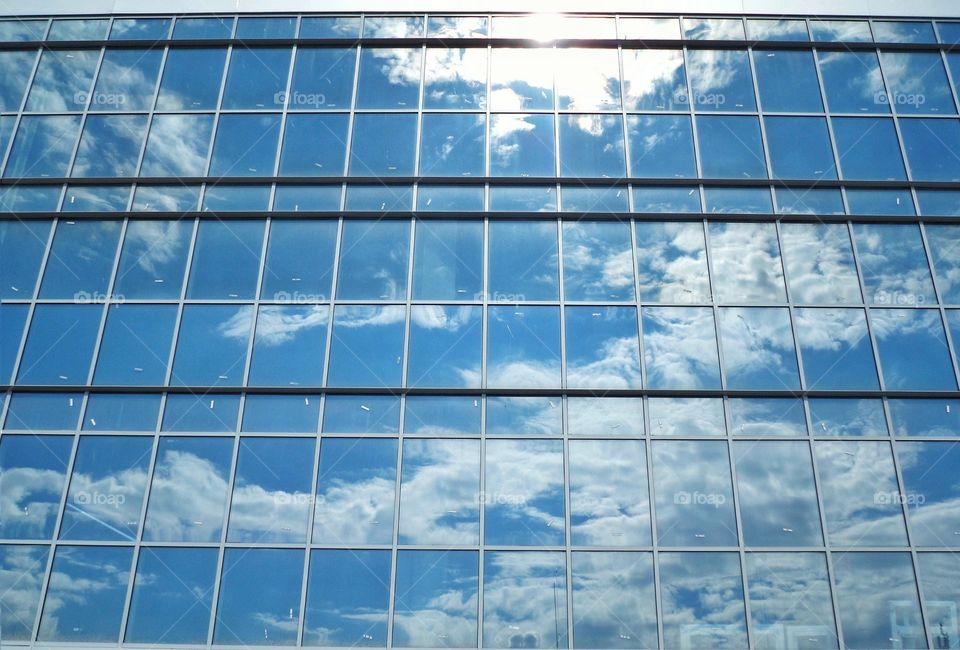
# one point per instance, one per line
(705, 225)
(829, 120)
(562, 305)
(867, 314)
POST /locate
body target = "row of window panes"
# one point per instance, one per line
(521, 79)
(460, 415)
(453, 145)
(523, 495)
(542, 27)
(460, 198)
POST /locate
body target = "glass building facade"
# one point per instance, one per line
(487, 330)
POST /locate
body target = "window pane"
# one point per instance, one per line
(609, 505)
(730, 147)
(819, 263)
(523, 198)
(96, 198)
(33, 476)
(257, 77)
(694, 497)
(445, 346)
(602, 347)
(62, 81)
(591, 79)
(884, 202)
(60, 344)
(16, 66)
(107, 488)
(746, 262)
(868, 149)
(43, 146)
(733, 200)
(721, 80)
(931, 494)
(524, 415)
(226, 259)
(918, 83)
(767, 416)
(153, 259)
(203, 28)
(436, 599)
(847, 417)
(85, 597)
(787, 80)
(140, 29)
(348, 597)
(110, 145)
(367, 348)
(136, 345)
(450, 198)
(81, 259)
(39, 411)
(650, 28)
(680, 347)
(932, 146)
(592, 145)
(438, 492)
(191, 78)
(246, 145)
(299, 198)
(457, 26)
(522, 145)
(613, 600)
(702, 597)
(127, 80)
(539, 616)
(860, 494)
(661, 146)
(172, 595)
(258, 585)
(939, 580)
(944, 241)
(523, 263)
(523, 498)
(212, 348)
(790, 592)
(597, 261)
(778, 502)
(13, 318)
(322, 78)
(299, 261)
(22, 570)
(314, 145)
(853, 82)
(783, 29)
(448, 260)
(455, 78)
(799, 147)
(452, 144)
(836, 350)
(877, 599)
(389, 78)
(178, 145)
(427, 414)
(654, 80)
(672, 262)
(383, 145)
(588, 198)
(286, 412)
(894, 264)
(22, 244)
(521, 79)
(361, 414)
(758, 348)
(289, 346)
(189, 491)
(708, 29)
(356, 487)
(330, 27)
(523, 347)
(373, 260)
(913, 349)
(191, 413)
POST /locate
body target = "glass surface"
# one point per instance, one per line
(917, 81)
(523, 347)
(203, 28)
(153, 259)
(172, 594)
(226, 260)
(450, 198)
(746, 262)
(524, 415)
(356, 488)
(389, 77)
(127, 79)
(523, 261)
(613, 600)
(836, 351)
(259, 601)
(592, 146)
(22, 245)
(860, 495)
(766, 416)
(672, 262)
(930, 495)
(140, 29)
(438, 492)
(177, 145)
(523, 198)
(33, 477)
(445, 414)
(778, 502)
(654, 80)
(84, 601)
(698, 416)
(734, 200)
(189, 490)
(62, 81)
(894, 264)
(943, 241)
(445, 346)
(452, 144)
(212, 345)
(236, 198)
(81, 259)
(932, 146)
(289, 345)
(617, 416)
(94, 198)
(245, 145)
(367, 346)
(287, 413)
(378, 198)
(458, 26)
(253, 27)
(16, 66)
(523, 493)
(889, 31)
(257, 78)
(383, 145)
(661, 146)
(730, 147)
(720, 80)
(522, 145)
(436, 598)
(448, 260)
(818, 261)
(348, 596)
(60, 344)
(876, 596)
(609, 504)
(135, 345)
(590, 81)
(847, 417)
(21, 578)
(799, 147)
(781, 29)
(853, 82)
(597, 261)
(392, 26)
(790, 593)
(680, 348)
(694, 493)
(361, 414)
(322, 79)
(704, 29)
(299, 265)
(330, 27)
(190, 413)
(40, 411)
(939, 580)
(586, 198)
(314, 145)
(758, 348)
(649, 28)
(868, 149)
(885, 202)
(524, 599)
(373, 260)
(300, 198)
(13, 318)
(42, 146)
(702, 596)
(602, 347)
(521, 79)
(455, 78)
(913, 349)
(191, 78)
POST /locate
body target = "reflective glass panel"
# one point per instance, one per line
(361, 414)
(21, 577)
(153, 259)
(524, 599)
(389, 77)
(758, 348)
(436, 598)
(521, 79)
(680, 347)
(944, 242)
(203, 28)
(191, 413)
(847, 417)
(33, 476)
(13, 318)
(592, 145)
(455, 78)
(522, 145)
(523, 263)
(939, 579)
(590, 81)
(661, 146)
(140, 29)
(16, 66)
(39, 411)
(710, 29)
(383, 145)
(446, 414)
(787, 80)
(348, 596)
(672, 262)
(894, 264)
(701, 416)
(127, 79)
(246, 145)
(799, 147)
(730, 147)
(819, 263)
(523, 497)
(226, 259)
(932, 146)
(597, 261)
(330, 27)
(445, 346)
(257, 78)
(135, 345)
(177, 145)
(930, 494)
(654, 80)
(60, 344)
(613, 600)
(524, 415)
(367, 346)
(212, 345)
(523, 347)
(373, 260)
(62, 81)
(289, 345)
(314, 145)
(121, 412)
(721, 80)
(322, 79)
(852, 81)
(746, 262)
(602, 347)
(81, 259)
(452, 144)
(918, 82)
(22, 244)
(448, 260)
(868, 148)
(783, 29)
(42, 146)
(191, 79)
(913, 349)
(766, 416)
(836, 350)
